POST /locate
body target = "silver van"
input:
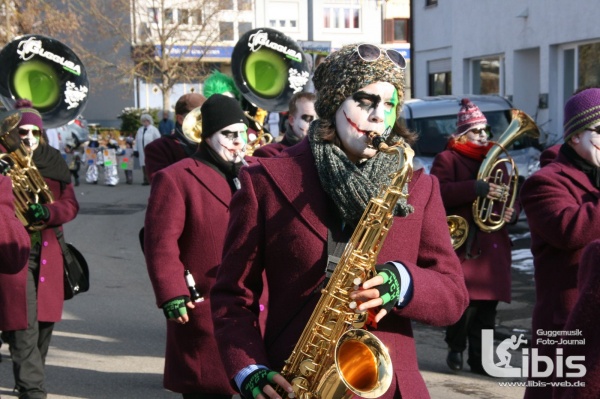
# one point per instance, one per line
(434, 119)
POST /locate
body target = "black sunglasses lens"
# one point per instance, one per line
(368, 52)
(397, 58)
(25, 132)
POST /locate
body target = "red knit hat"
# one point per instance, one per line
(29, 115)
(469, 116)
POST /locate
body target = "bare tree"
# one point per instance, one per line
(166, 39)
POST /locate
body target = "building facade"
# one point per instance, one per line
(534, 52)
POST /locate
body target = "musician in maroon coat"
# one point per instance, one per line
(169, 149)
(485, 257)
(583, 320)
(301, 114)
(280, 221)
(31, 301)
(562, 204)
(185, 225)
(14, 240)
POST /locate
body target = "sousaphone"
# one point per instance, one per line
(48, 73)
(268, 68)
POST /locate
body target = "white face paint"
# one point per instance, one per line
(304, 115)
(363, 112)
(30, 136)
(478, 135)
(229, 142)
(587, 145)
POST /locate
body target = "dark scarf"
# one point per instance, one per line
(469, 149)
(592, 171)
(351, 186)
(229, 170)
(189, 147)
(51, 164)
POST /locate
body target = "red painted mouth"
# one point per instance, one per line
(355, 126)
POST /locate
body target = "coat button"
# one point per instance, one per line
(45, 243)
(42, 279)
(43, 261)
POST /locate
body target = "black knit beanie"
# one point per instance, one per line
(343, 73)
(220, 111)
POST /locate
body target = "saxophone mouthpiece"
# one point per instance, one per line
(378, 140)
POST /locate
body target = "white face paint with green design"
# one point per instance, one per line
(229, 142)
(370, 109)
(30, 136)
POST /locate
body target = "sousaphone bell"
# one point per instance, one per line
(48, 73)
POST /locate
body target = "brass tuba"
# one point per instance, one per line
(50, 75)
(192, 125)
(28, 184)
(485, 212)
(459, 230)
(335, 357)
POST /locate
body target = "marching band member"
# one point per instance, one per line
(301, 114)
(32, 300)
(562, 203)
(280, 220)
(187, 215)
(485, 257)
(172, 148)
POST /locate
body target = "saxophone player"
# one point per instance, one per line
(296, 209)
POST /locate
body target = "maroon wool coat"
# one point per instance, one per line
(161, 153)
(584, 317)
(488, 276)
(185, 226)
(14, 240)
(13, 305)
(277, 226)
(269, 150)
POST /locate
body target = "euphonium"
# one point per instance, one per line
(262, 138)
(335, 358)
(485, 215)
(28, 184)
(192, 125)
(459, 230)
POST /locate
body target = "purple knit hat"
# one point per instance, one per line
(581, 111)
(469, 116)
(29, 115)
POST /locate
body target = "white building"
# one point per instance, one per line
(535, 52)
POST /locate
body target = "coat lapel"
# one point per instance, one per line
(207, 177)
(295, 175)
(577, 176)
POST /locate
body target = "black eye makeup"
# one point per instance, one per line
(366, 100)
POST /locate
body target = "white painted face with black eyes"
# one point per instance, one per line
(229, 142)
(371, 108)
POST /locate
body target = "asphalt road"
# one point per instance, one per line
(111, 341)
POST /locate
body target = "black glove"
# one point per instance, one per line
(254, 383)
(37, 213)
(175, 307)
(482, 188)
(389, 291)
(136, 154)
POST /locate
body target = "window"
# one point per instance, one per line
(184, 16)
(487, 76)
(168, 16)
(226, 4)
(244, 5)
(396, 30)
(225, 31)
(587, 62)
(431, 2)
(440, 83)
(244, 27)
(282, 23)
(272, 23)
(153, 14)
(338, 17)
(196, 16)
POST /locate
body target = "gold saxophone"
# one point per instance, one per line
(28, 184)
(335, 358)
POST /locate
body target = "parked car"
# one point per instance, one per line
(434, 119)
(73, 134)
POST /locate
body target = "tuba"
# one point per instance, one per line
(268, 67)
(485, 211)
(459, 230)
(335, 357)
(50, 74)
(192, 125)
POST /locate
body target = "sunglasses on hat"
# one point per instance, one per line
(371, 53)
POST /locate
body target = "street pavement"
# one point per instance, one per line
(111, 341)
